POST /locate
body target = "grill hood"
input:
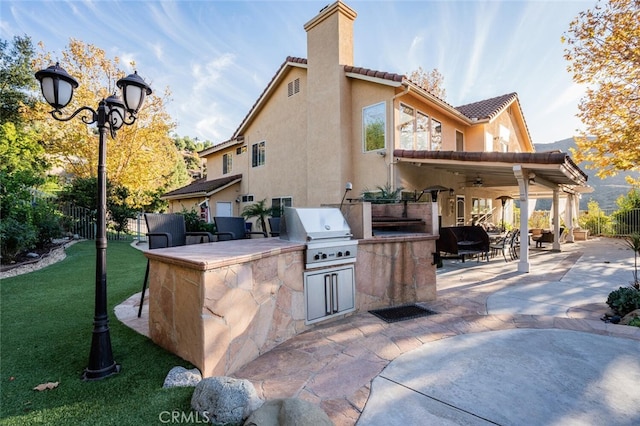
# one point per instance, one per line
(314, 224)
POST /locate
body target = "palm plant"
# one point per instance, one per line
(384, 195)
(259, 210)
(633, 242)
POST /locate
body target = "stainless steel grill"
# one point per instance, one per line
(329, 281)
(325, 232)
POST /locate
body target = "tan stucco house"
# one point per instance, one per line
(322, 122)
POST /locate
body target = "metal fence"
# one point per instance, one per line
(81, 221)
(78, 221)
(611, 223)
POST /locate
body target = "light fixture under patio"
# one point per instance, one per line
(503, 199)
(434, 190)
(112, 113)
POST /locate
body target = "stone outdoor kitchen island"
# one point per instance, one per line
(221, 305)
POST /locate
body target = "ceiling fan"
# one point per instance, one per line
(477, 182)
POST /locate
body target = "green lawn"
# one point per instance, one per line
(45, 335)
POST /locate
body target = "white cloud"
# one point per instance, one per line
(568, 98)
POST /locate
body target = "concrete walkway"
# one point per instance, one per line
(505, 348)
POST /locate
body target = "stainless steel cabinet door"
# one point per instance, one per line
(329, 292)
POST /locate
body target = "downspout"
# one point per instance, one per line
(392, 133)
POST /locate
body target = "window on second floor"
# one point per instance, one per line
(417, 131)
(505, 134)
(227, 162)
(459, 141)
(436, 135)
(374, 124)
(258, 154)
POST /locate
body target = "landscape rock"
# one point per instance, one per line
(225, 400)
(181, 377)
(33, 255)
(288, 412)
(630, 317)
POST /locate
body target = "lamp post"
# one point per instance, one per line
(503, 199)
(112, 113)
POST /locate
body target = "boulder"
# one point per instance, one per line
(288, 412)
(629, 317)
(225, 400)
(181, 377)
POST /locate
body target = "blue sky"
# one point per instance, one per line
(216, 57)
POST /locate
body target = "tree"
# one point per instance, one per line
(16, 77)
(603, 48)
(260, 211)
(141, 158)
(431, 81)
(27, 221)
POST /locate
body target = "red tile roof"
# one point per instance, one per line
(373, 73)
(549, 157)
(485, 109)
(488, 108)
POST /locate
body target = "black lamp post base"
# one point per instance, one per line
(90, 375)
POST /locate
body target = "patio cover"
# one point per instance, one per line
(524, 175)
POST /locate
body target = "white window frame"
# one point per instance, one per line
(436, 135)
(370, 113)
(419, 132)
(258, 154)
(281, 203)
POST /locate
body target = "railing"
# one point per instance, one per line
(612, 223)
(81, 221)
(609, 223)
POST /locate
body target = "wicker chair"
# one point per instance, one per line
(168, 230)
(233, 228)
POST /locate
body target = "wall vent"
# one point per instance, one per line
(293, 87)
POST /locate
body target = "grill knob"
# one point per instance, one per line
(347, 253)
(339, 254)
(316, 257)
(324, 255)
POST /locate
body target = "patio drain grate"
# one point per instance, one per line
(401, 313)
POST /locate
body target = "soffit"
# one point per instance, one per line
(496, 169)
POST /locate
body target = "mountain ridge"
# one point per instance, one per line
(605, 191)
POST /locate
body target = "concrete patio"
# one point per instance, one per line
(505, 348)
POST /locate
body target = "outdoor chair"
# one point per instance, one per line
(274, 226)
(546, 237)
(233, 228)
(505, 245)
(515, 244)
(168, 230)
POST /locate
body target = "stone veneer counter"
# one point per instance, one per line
(221, 305)
(223, 253)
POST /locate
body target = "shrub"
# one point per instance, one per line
(193, 223)
(46, 219)
(635, 322)
(16, 236)
(624, 300)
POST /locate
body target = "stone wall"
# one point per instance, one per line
(221, 312)
(223, 318)
(394, 271)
